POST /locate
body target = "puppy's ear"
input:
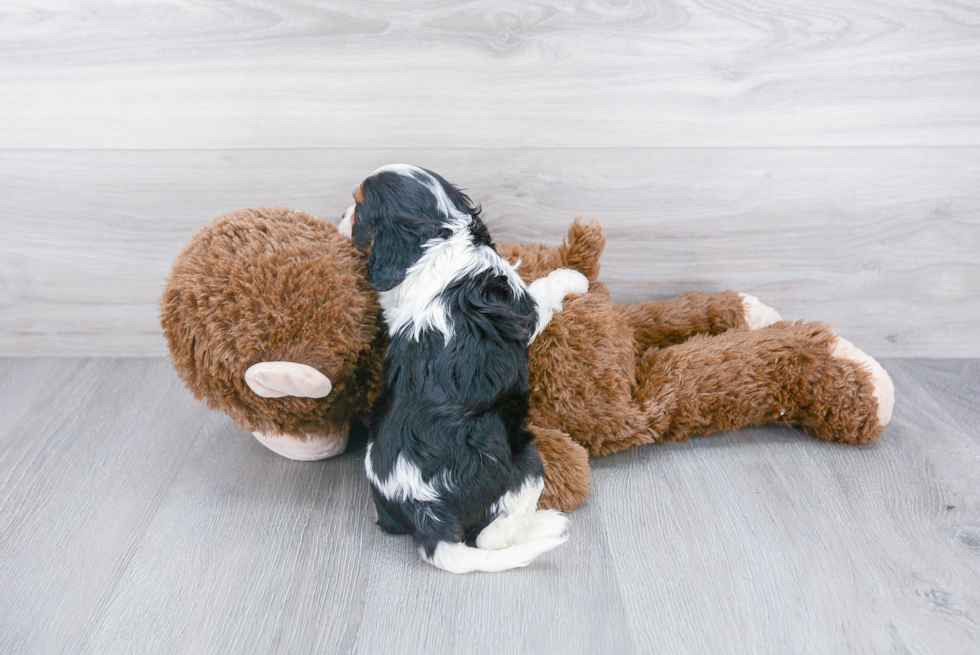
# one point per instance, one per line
(395, 248)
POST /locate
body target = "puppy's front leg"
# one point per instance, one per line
(548, 293)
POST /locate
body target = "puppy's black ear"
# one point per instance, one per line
(396, 247)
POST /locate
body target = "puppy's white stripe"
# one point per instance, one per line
(415, 303)
(403, 483)
(443, 202)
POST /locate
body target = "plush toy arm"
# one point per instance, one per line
(549, 292)
(662, 323)
(566, 469)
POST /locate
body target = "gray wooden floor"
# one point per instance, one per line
(133, 520)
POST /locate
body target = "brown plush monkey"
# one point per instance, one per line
(270, 319)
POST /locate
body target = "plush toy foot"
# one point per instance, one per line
(884, 389)
(311, 449)
(849, 397)
(566, 469)
(757, 315)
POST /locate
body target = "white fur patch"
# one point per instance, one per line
(415, 304)
(444, 204)
(403, 483)
(460, 558)
(346, 225)
(514, 512)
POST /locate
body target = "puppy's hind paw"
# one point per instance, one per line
(546, 524)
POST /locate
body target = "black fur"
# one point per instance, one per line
(456, 408)
(396, 216)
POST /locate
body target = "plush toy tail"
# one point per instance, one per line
(548, 530)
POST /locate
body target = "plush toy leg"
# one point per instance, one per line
(312, 448)
(801, 373)
(662, 323)
(566, 470)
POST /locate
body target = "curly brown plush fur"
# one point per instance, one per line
(273, 285)
(280, 285)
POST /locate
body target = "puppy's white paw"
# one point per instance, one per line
(884, 389)
(546, 524)
(758, 315)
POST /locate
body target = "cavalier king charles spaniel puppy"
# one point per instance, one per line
(450, 460)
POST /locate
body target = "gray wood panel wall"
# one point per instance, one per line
(822, 155)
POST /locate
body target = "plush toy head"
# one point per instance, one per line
(275, 286)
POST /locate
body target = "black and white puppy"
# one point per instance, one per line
(450, 460)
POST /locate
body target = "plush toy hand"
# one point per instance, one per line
(549, 292)
(758, 315)
(279, 379)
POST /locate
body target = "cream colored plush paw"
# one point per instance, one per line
(310, 450)
(549, 292)
(758, 315)
(884, 390)
(567, 281)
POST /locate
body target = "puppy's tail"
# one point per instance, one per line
(548, 530)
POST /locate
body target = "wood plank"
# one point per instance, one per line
(248, 553)
(880, 242)
(566, 601)
(764, 540)
(179, 74)
(82, 472)
(133, 520)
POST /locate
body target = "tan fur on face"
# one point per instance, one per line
(273, 284)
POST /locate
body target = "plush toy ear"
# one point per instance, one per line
(279, 379)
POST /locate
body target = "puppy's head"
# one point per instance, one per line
(398, 209)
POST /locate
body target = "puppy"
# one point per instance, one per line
(450, 460)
